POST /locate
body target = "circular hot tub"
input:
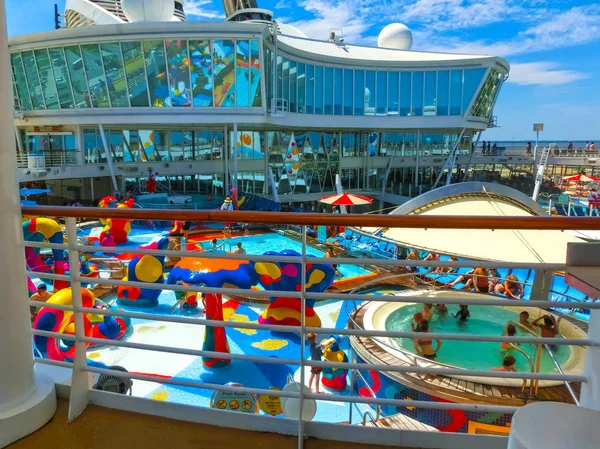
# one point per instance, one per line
(469, 355)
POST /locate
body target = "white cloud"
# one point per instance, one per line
(197, 8)
(544, 73)
(282, 4)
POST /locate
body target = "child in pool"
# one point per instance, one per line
(508, 364)
(509, 330)
(417, 318)
(426, 312)
(442, 310)
(463, 313)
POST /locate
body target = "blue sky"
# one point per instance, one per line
(553, 47)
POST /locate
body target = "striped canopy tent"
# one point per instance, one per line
(581, 178)
(346, 199)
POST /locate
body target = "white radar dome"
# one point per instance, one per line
(395, 36)
(148, 10)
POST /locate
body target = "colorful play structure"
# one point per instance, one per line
(62, 321)
(144, 268)
(116, 230)
(334, 378)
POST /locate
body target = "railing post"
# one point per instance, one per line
(302, 340)
(590, 390)
(542, 283)
(81, 380)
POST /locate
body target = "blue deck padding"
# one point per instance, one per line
(558, 285)
(502, 273)
(526, 292)
(576, 294)
(561, 209)
(521, 273)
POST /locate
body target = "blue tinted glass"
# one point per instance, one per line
(405, 93)
(348, 91)
(77, 75)
(443, 92)
(338, 89)
(35, 88)
(381, 93)
(179, 73)
(301, 87)
(455, 92)
(224, 73)
(19, 72)
(370, 92)
(133, 58)
(242, 73)
(156, 68)
(472, 79)
(115, 75)
(201, 68)
(310, 88)
(286, 79)
(95, 75)
(359, 92)
(255, 85)
(393, 91)
(293, 85)
(430, 93)
(61, 76)
(328, 94)
(417, 94)
(318, 90)
(46, 79)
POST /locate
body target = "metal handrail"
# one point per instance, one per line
(560, 371)
(368, 413)
(378, 413)
(527, 356)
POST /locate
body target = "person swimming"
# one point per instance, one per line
(524, 321)
(549, 327)
(441, 309)
(508, 364)
(417, 318)
(426, 312)
(424, 346)
(510, 331)
(463, 313)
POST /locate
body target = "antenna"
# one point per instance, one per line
(58, 18)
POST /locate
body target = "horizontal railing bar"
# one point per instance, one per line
(53, 362)
(50, 305)
(448, 371)
(197, 321)
(193, 352)
(314, 219)
(411, 403)
(186, 383)
(45, 275)
(31, 244)
(51, 334)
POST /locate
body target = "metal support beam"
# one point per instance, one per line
(108, 158)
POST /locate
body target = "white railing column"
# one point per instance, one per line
(27, 399)
(542, 283)
(80, 379)
(302, 340)
(590, 390)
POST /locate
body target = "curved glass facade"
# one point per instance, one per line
(484, 104)
(151, 73)
(328, 90)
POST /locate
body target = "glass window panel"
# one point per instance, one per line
(279, 77)
(19, 72)
(405, 92)
(348, 91)
(393, 92)
(310, 88)
(117, 148)
(115, 75)
(455, 92)
(156, 67)
(381, 104)
(472, 78)
(417, 93)
(359, 92)
(133, 58)
(430, 93)
(217, 151)
(443, 91)
(318, 90)
(77, 75)
(255, 85)
(242, 73)
(201, 68)
(328, 91)
(61, 77)
(223, 69)
(95, 75)
(301, 87)
(179, 72)
(285, 86)
(338, 90)
(369, 97)
(35, 88)
(46, 79)
(293, 85)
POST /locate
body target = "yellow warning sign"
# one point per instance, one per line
(271, 405)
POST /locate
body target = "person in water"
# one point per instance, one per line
(441, 309)
(426, 312)
(424, 346)
(524, 321)
(508, 364)
(510, 331)
(463, 313)
(330, 254)
(417, 318)
(549, 327)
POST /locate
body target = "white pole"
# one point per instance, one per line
(108, 158)
(27, 401)
(234, 153)
(590, 390)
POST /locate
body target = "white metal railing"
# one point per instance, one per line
(80, 390)
(44, 159)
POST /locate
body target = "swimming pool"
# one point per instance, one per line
(166, 201)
